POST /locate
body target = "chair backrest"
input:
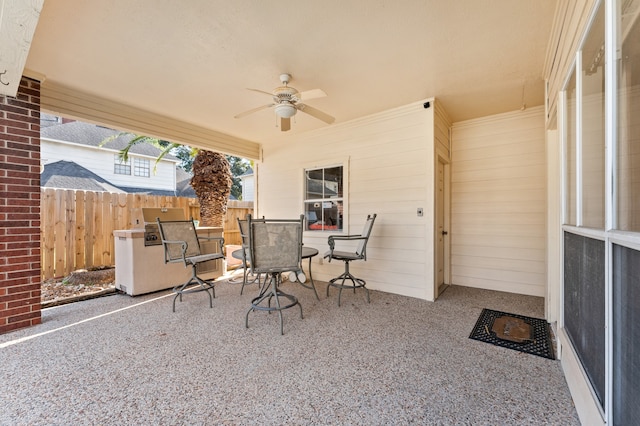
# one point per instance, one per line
(361, 250)
(244, 232)
(275, 245)
(179, 230)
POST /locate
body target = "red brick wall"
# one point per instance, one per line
(20, 208)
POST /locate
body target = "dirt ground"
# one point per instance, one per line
(80, 283)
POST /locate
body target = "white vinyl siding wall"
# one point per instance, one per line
(389, 159)
(101, 162)
(498, 192)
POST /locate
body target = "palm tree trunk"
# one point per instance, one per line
(211, 182)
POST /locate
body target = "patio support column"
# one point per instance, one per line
(20, 208)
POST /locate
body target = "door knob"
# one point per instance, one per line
(445, 233)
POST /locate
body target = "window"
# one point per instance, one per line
(120, 166)
(141, 167)
(601, 137)
(570, 137)
(628, 149)
(323, 198)
(592, 129)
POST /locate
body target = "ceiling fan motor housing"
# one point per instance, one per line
(285, 110)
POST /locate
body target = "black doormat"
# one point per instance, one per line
(540, 344)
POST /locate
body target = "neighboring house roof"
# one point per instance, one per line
(92, 135)
(183, 184)
(69, 175)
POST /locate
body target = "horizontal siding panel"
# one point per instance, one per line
(481, 241)
(510, 287)
(481, 152)
(498, 185)
(506, 207)
(515, 229)
(497, 141)
(513, 196)
(525, 160)
(489, 174)
(506, 253)
(498, 203)
(501, 275)
(498, 263)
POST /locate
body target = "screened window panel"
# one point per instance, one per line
(626, 335)
(584, 305)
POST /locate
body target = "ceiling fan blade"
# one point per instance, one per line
(285, 124)
(312, 94)
(251, 111)
(316, 113)
(261, 91)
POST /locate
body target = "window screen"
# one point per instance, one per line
(626, 335)
(584, 304)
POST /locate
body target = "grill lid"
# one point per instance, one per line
(149, 215)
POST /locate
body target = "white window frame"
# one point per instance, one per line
(329, 163)
(118, 163)
(141, 164)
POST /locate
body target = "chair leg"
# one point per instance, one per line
(247, 279)
(204, 285)
(244, 277)
(355, 283)
(268, 292)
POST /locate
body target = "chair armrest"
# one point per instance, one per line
(333, 238)
(183, 247)
(332, 242)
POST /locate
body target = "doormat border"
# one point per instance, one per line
(540, 346)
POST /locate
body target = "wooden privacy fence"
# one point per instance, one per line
(77, 226)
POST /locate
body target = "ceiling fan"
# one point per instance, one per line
(288, 101)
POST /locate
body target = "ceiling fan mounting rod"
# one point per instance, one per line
(285, 78)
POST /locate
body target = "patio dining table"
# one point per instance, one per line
(307, 253)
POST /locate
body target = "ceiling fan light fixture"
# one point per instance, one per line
(285, 110)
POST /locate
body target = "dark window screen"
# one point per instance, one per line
(584, 303)
(626, 335)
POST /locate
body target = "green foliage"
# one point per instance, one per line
(165, 147)
(239, 166)
(185, 154)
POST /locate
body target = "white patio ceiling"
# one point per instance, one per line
(193, 60)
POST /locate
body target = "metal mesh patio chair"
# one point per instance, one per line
(181, 244)
(244, 257)
(360, 253)
(275, 246)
